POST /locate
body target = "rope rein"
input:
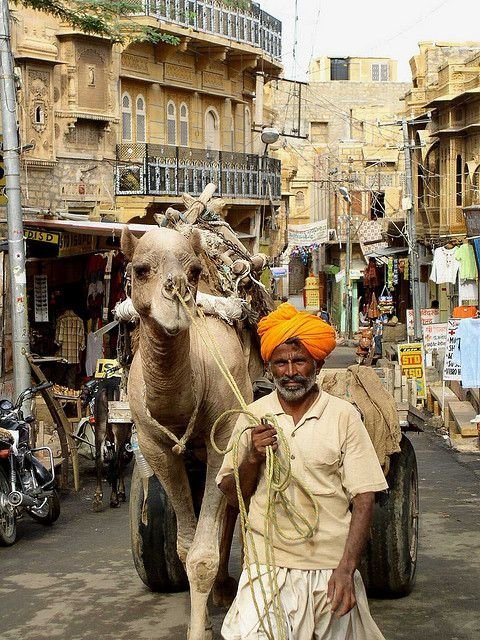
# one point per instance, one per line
(278, 478)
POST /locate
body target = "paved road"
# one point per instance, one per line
(77, 581)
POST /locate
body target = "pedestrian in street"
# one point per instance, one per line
(321, 592)
(323, 313)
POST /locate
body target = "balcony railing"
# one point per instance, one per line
(251, 26)
(161, 170)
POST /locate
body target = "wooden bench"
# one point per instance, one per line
(438, 395)
(457, 418)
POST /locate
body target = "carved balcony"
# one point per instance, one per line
(251, 26)
(162, 170)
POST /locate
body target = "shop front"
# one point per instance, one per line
(74, 278)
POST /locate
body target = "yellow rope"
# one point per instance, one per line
(278, 477)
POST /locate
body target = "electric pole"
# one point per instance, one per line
(412, 235)
(16, 247)
(348, 262)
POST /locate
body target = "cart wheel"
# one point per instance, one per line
(153, 530)
(391, 560)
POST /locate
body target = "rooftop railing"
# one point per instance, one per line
(251, 26)
(162, 170)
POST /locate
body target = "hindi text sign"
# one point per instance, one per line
(451, 368)
(304, 235)
(434, 336)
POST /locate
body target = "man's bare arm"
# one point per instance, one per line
(262, 436)
(341, 590)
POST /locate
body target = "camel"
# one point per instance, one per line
(176, 393)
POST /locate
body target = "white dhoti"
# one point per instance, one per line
(305, 610)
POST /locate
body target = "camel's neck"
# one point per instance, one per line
(167, 373)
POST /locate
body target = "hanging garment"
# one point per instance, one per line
(70, 336)
(370, 274)
(464, 312)
(468, 265)
(373, 312)
(94, 353)
(445, 266)
(468, 292)
(468, 352)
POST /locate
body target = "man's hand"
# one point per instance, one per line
(341, 592)
(263, 436)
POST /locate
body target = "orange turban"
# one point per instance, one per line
(286, 322)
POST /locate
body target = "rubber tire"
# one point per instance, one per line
(389, 567)
(8, 533)
(52, 514)
(154, 538)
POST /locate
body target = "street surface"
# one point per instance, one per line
(76, 580)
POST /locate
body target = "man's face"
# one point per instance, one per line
(294, 371)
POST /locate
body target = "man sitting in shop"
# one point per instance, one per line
(324, 443)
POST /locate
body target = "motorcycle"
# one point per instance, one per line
(26, 485)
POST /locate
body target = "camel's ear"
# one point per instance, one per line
(128, 243)
(196, 241)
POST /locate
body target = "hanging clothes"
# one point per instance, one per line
(373, 312)
(370, 274)
(468, 265)
(445, 266)
(468, 352)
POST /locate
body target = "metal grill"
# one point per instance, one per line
(153, 169)
(254, 26)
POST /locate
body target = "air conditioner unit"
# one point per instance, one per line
(332, 235)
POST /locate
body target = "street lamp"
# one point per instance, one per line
(268, 136)
(348, 261)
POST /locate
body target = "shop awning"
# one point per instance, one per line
(87, 226)
(380, 155)
(385, 252)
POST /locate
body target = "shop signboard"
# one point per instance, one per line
(434, 336)
(279, 272)
(74, 244)
(304, 235)
(411, 359)
(451, 368)
(42, 235)
(427, 316)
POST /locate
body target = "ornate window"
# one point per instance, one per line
(183, 125)
(171, 123)
(126, 117)
(212, 129)
(141, 119)
(300, 200)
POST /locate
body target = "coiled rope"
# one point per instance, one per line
(278, 477)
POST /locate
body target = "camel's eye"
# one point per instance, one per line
(141, 270)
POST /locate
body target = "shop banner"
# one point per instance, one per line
(427, 316)
(411, 359)
(451, 368)
(434, 336)
(279, 272)
(304, 235)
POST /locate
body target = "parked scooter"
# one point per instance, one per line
(26, 485)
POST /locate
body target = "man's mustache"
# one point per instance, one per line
(296, 378)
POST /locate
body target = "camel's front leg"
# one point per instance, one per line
(203, 557)
(170, 470)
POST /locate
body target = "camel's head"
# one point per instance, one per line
(163, 262)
